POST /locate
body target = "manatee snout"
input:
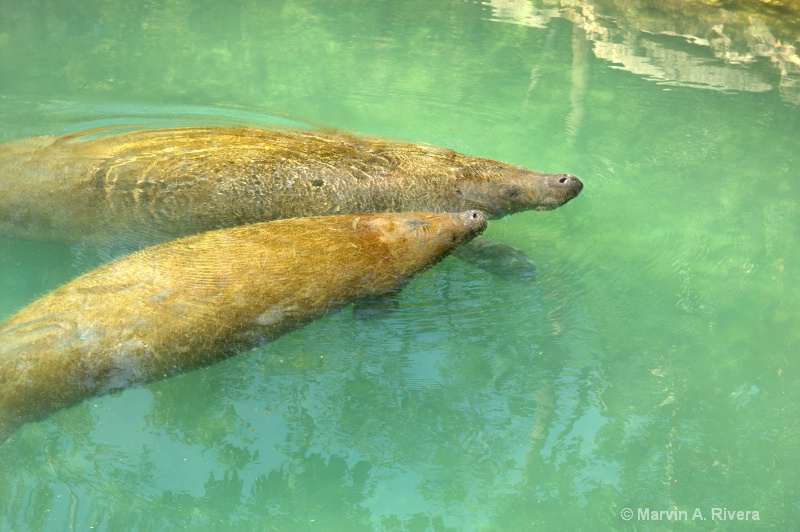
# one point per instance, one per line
(555, 190)
(570, 182)
(566, 184)
(519, 190)
(474, 221)
(464, 225)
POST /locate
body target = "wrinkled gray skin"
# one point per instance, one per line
(136, 188)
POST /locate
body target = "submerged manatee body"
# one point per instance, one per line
(142, 187)
(194, 301)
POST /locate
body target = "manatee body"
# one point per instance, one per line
(148, 186)
(194, 301)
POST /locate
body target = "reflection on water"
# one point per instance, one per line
(674, 43)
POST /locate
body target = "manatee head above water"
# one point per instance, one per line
(143, 187)
(498, 189)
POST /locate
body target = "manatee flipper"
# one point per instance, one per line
(498, 259)
(376, 307)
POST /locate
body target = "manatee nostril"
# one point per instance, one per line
(570, 180)
(473, 216)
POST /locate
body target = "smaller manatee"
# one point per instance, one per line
(191, 302)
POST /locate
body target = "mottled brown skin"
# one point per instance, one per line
(149, 186)
(194, 301)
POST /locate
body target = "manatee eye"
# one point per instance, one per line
(317, 182)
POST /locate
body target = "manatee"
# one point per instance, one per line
(191, 302)
(136, 188)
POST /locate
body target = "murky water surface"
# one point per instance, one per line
(650, 367)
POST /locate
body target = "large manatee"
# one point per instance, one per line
(137, 188)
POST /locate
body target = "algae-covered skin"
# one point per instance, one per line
(148, 186)
(191, 302)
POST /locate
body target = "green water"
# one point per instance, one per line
(652, 364)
